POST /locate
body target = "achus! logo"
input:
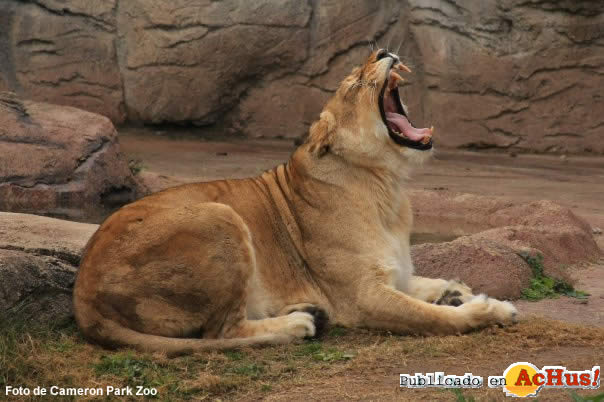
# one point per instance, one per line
(524, 379)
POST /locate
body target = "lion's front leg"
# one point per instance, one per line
(439, 291)
(384, 307)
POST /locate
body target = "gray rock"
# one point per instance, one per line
(38, 262)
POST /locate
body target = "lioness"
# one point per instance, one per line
(269, 259)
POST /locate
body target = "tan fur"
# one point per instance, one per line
(237, 262)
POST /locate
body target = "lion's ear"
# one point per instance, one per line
(320, 134)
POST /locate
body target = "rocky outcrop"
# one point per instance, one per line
(494, 232)
(60, 161)
(511, 74)
(38, 262)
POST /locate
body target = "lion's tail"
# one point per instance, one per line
(115, 335)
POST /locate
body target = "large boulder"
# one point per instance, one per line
(486, 266)
(493, 233)
(38, 262)
(60, 161)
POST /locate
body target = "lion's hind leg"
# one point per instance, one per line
(182, 274)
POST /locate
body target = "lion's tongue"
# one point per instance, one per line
(403, 126)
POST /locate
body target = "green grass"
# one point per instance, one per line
(545, 287)
(459, 395)
(134, 370)
(591, 398)
(253, 370)
(136, 166)
(319, 353)
(234, 354)
(337, 331)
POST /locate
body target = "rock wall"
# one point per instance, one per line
(513, 74)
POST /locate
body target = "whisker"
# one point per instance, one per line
(399, 46)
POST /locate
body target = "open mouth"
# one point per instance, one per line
(394, 117)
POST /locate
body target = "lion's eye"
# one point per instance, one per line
(381, 54)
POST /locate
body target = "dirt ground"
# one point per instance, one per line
(575, 181)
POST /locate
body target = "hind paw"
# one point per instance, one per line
(320, 318)
(300, 325)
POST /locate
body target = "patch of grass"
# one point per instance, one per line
(316, 351)
(135, 370)
(337, 331)
(332, 355)
(308, 349)
(589, 398)
(136, 166)
(252, 370)
(234, 354)
(545, 287)
(459, 395)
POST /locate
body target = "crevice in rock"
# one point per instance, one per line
(573, 8)
(555, 135)
(431, 9)
(67, 257)
(430, 22)
(34, 42)
(378, 35)
(9, 100)
(45, 142)
(119, 57)
(582, 67)
(84, 94)
(116, 196)
(104, 25)
(84, 162)
(554, 93)
(60, 81)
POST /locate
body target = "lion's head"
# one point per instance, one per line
(366, 122)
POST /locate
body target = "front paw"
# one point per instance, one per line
(483, 311)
